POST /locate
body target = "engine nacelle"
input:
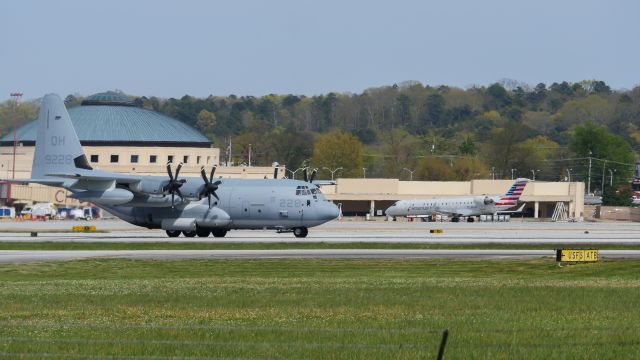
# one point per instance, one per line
(148, 186)
(483, 200)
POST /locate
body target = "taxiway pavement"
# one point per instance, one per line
(515, 232)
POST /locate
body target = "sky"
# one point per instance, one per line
(309, 47)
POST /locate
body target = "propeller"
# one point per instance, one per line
(313, 175)
(173, 186)
(210, 187)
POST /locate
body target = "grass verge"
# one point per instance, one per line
(317, 309)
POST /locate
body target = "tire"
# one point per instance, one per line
(189, 233)
(471, 219)
(203, 232)
(300, 232)
(455, 219)
(173, 233)
(219, 232)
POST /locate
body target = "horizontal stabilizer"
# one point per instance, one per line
(52, 182)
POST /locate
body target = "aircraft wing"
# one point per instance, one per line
(512, 211)
(323, 182)
(122, 179)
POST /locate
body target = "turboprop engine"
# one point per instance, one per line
(483, 200)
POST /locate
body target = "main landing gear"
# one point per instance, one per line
(173, 233)
(201, 232)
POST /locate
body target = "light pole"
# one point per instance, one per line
(410, 173)
(569, 174)
(512, 171)
(534, 174)
(16, 96)
(332, 171)
(493, 173)
(611, 177)
(364, 173)
(293, 173)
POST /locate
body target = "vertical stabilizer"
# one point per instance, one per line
(58, 149)
(513, 194)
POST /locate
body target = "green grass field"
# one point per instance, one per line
(319, 309)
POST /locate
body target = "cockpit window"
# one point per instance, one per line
(304, 190)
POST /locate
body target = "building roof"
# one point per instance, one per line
(112, 119)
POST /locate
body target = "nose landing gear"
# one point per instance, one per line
(300, 232)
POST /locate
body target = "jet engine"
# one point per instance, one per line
(483, 200)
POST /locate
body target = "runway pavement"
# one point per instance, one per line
(348, 231)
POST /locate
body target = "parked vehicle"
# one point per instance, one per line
(7, 212)
(39, 210)
(87, 213)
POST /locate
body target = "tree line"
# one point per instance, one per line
(411, 130)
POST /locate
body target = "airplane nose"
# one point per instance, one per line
(329, 212)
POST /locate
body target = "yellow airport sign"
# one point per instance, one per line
(436, 231)
(89, 228)
(576, 255)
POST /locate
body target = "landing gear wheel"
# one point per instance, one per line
(300, 232)
(203, 232)
(219, 232)
(173, 233)
(455, 219)
(471, 219)
(189, 233)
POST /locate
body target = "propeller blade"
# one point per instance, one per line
(204, 175)
(215, 195)
(169, 171)
(304, 174)
(178, 170)
(313, 175)
(209, 198)
(172, 199)
(213, 171)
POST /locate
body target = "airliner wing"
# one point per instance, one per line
(518, 210)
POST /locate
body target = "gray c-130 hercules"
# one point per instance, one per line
(191, 206)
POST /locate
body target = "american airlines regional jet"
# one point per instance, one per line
(457, 207)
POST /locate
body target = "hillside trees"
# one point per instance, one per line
(338, 149)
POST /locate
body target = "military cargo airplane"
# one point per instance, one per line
(191, 206)
(460, 206)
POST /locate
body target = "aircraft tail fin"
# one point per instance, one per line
(513, 194)
(58, 149)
